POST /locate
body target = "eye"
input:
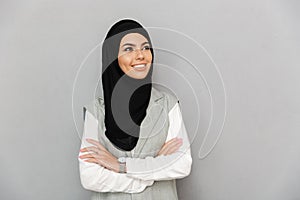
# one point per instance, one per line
(128, 49)
(146, 48)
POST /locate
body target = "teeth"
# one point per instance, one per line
(139, 66)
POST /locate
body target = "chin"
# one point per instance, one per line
(135, 76)
(138, 75)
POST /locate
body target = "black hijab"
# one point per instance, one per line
(126, 99)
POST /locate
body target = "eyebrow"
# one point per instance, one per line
(129, 44)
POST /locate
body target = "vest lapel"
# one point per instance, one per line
(153, 122)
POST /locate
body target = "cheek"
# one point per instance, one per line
(124, 61)
(149, 56)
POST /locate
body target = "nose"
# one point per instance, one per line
(139, 54)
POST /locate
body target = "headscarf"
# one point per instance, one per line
(126, 99)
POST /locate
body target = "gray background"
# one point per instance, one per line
(254, 44)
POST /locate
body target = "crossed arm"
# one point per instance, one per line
(101, 174)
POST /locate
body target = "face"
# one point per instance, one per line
(134, 55)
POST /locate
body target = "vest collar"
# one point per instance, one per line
(156, 95)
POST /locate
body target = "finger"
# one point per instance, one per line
(175, 143)
(92, 160)
(90, 149)
(96, 143)
(172, 140)
(168, 143)
(172, 145)
(159, 153)
(173, 149)
(163, 150)
(89, 155)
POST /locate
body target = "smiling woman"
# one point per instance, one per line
(134, 144)
(134, 56)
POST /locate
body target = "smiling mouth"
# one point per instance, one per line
(140, 67)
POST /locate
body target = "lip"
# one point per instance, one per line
(139, 64)
(140, 68)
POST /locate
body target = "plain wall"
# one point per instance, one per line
(47, 74)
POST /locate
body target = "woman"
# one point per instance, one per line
(134, 144)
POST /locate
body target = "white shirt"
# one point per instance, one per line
(141, 172)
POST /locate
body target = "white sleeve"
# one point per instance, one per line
(97, 178)
(165, 167)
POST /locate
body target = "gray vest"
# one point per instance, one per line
(153, 134)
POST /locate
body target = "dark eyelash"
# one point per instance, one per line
(130, 49)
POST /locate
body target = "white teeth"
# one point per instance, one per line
(139, 66)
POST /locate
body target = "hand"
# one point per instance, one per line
(99, 155)
(170, 147)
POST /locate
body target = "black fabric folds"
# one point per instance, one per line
(126, 99)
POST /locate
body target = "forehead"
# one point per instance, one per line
(134, 38)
